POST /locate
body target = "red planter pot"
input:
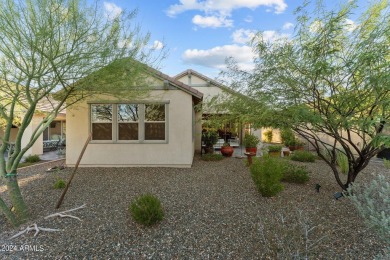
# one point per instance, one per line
(293, 148)
(251, 150)
(227, 151)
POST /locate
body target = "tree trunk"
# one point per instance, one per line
(21, 210)
(8, 213)
(337, 176)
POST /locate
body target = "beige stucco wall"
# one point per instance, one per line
(37, 147)
(275, 135)
(209, 91)
(177, 152)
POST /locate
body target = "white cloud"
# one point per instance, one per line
(316, 26)
(112, 10)
(212, 21)
(287, 26)
(126, 43)
(350, 25)
(243, 36)
(157, 45)
(216, 57)
(224, 6)
(272, 36)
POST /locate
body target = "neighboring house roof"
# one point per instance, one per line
(180, 85)
(199, 75)
(209, 80)
(46, 105)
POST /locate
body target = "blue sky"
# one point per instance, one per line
(200, 34)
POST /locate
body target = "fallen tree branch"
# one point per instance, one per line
(62, 215)
(36, 228)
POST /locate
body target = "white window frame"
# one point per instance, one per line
(141, 122)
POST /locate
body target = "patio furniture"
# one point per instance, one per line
(50, 145)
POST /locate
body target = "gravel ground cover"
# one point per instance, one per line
(212, 211)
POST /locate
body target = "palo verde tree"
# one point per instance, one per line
(57, 52)
(329, 83)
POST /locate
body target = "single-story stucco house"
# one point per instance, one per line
(163, 129)
(158, 130)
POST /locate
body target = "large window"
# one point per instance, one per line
(56, 131)
(129, 122)
(101, 118)
(155, 122)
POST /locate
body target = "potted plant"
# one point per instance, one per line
(227, 150)
(250, 143)
(274, 150)
(289, 140)
(209, 138)
(295, 144)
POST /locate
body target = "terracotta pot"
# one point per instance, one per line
(209, 149)
(227, 151)
(251, 150)
(293, 148)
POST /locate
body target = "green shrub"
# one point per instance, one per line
(275, 148)
(212, 157)
(342, 161)
(295, 174)
(303, 156)
(386, 163)
(59, 184)
(147, 210)
(32, 158)
(372, 200)
(266, 174)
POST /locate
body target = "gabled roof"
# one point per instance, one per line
(174, 82)
(45, 105)
(209, 80)
(205, 78)
(115, 66)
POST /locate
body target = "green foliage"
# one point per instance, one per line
(303, 156)
(266, 174)
(147, 210)
(288, 137)
(342, 161)
(47, 46)
(59, 184)
(295, 174)
(372, 201)
(212, 157)
(209, 138)
(251, 141)
(328, 80)
(32, 158)
(275, 148)
(386, 163)
(268, 135)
